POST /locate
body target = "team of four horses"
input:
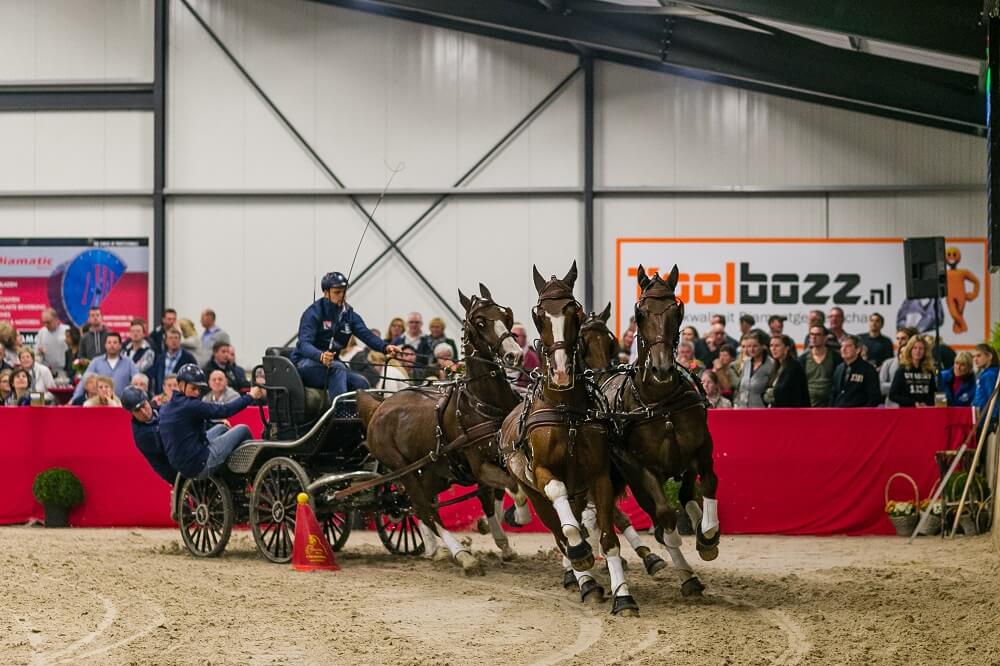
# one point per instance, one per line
(585, 430)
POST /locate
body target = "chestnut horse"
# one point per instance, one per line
(665, 427)
(452, 427)
(558, 450)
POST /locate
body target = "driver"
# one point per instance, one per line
(324, 329)
(194, 449)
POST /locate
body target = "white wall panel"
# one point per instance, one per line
(365, 91)
(76, 40)
(76, 151)
(656, 129)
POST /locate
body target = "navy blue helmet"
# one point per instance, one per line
(192, 374)
(334, 280)
(133, 397)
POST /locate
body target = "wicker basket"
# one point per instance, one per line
(905, 524)
(932, 526)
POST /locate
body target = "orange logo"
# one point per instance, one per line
(314, 550)
(700, 288)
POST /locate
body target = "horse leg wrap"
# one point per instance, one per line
(449, 540)
(430, 540)
(618, 585)
(633, 538)
(556, 492)
(693, 511)
(589, 520)
(710, 521)
(672, 542)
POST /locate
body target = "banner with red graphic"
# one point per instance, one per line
(72, 275)
(791, 276)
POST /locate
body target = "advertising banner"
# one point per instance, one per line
(72, 275)
(791, 276)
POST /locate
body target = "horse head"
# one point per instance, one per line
(558, 318)
(486, 331)
(658, 317)
(599, 345)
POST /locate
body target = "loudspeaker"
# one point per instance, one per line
(925, 268)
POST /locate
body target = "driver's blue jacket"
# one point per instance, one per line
(183, 423)
(147, 439)
(322, 321)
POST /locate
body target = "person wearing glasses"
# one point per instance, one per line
(819, 362)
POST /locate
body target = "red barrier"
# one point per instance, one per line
(795, 471)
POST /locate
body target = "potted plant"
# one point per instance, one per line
(903, 516)
(934, 509)
(57, 490)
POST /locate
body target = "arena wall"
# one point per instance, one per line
(249, 232)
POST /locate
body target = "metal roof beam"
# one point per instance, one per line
(77, 97)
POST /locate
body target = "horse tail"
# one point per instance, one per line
(367, 404)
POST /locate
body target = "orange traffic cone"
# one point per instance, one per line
(311, 552)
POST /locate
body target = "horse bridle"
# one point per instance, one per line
(549, 350)
(593, 323)
(494, 349)
(644, 346)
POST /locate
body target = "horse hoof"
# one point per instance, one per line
(585, 563)
(654, 564)
(470, 565)
(581, 556)
(625, 606)
(569, 580)
(709, 554)
(591, 592)
(482, 526)
(508, 554)
(692, 587)
(510, 518)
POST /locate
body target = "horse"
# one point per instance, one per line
(556, 448)
(665, 432)
(443, 434)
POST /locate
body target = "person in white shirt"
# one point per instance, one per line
(41, 376)
(50, 343)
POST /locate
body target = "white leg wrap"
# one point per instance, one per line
(567, 565)
(710, 521)
(430, 541)
(673, 546)
(589, 520)
(581, 576)
(632, 537)
(556, 491)
(617, 572)
(693, 511)
(499, 537)
(522, 513)
(449, 540)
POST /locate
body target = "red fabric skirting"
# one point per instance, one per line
(794, 471)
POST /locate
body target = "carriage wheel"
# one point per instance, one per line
(337, 527)
(397, 527)
(206, 516)
(273, 505)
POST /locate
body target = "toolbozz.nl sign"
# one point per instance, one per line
(790, 277)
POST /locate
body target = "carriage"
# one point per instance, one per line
(310, 444)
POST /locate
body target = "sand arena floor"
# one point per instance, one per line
(136, 597)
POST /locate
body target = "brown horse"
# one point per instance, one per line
(665, 433)
(558, 450)
(419, 422)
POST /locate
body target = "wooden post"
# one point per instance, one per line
(985, 419)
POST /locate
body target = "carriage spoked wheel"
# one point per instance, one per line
(206, 516)
(337, 527)
(395, 523)
(273, 505)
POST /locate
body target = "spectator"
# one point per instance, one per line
(89, 383)
(137, 348)
(20, 389)
(190, 340)
(690, 334)
(409, 360)
(444, 365)
(757, 370)
(391, 376)
(942, 355)
(50, 343)
(710, 382)
(855, 382)
(835, 325)
(529, 358)
(958, 383)
(41, 376)
(171, 360)
(92, 342)
(4, 365)
(720, 319)
(157, 339)
(112, 364)
(105, 393)
(879, 346)
(685, 356)
(140, 380)
(8, 344)
(394, 330)
(788, 385)
(222, 359)
(984, 357)
(350, 350)
(628, 338)
(725, 372)
(414, 336)
(913, 383)
(218, 388)
(746, 324)
(72, 350)
(5, 388)
(819, 362)
(169, 386)
(708, 351)
(436, 337)
(211, 335)
(888, 370)
(776, 324)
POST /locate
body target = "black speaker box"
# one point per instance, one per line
(925, 268)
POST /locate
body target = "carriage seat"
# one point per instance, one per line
(288, 400)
